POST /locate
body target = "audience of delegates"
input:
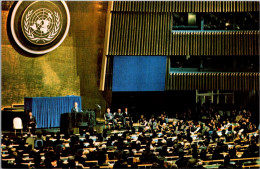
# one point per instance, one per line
(179, 143)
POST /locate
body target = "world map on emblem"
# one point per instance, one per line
(41, 25)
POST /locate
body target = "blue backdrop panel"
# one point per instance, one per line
(47, 110)
(139, 73)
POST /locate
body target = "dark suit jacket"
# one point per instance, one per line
(73, 110)
(119, 116)
(31, 121)
(126, 115)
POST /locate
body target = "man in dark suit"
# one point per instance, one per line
(31, 122)
(128, 117)
(75, 109)
(119, 117)
(109, 117)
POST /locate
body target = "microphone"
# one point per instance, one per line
(98, 106)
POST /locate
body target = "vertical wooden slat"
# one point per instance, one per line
(122, 34)
(237, 44)
(149, 35)
(240, 86)
(117, 33)
(221, 81)
(200, 81)
(184, 81)
(224, 81)
(158, 31)
(240, 43)
(217, 81)
(205, 44)
(228, 81)
(177, 43)
(218, 39)
(233, 87)
(255, 45)
(171, 82)
(171, 37)
(193, 81)
(196, 44)
(174, 81)
(168, 33)
(256, 77)
(250, 44)
(131, 51)
(188, 82)
(206, 81)
(179, 81)
(112, 44)
(250, 81)
(111, 35)
(203, 84)
(194, 76)
(255, 83)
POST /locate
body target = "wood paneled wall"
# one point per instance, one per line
(145, 28)
(186, 6)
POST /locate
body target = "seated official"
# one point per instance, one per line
(109, 117)
(75, 109)
(118, 116)
(31, 122)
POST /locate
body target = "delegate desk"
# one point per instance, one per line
(75, 120)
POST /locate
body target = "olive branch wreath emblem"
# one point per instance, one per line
(30, 34)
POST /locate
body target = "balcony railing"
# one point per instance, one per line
(212, 81)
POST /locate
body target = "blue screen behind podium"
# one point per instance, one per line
(47, 110)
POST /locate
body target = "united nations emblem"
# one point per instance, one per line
(41, 25)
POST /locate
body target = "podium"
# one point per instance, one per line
(73, 121)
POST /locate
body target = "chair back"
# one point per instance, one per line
(30, 141)
(17, 123)
(40, 143)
